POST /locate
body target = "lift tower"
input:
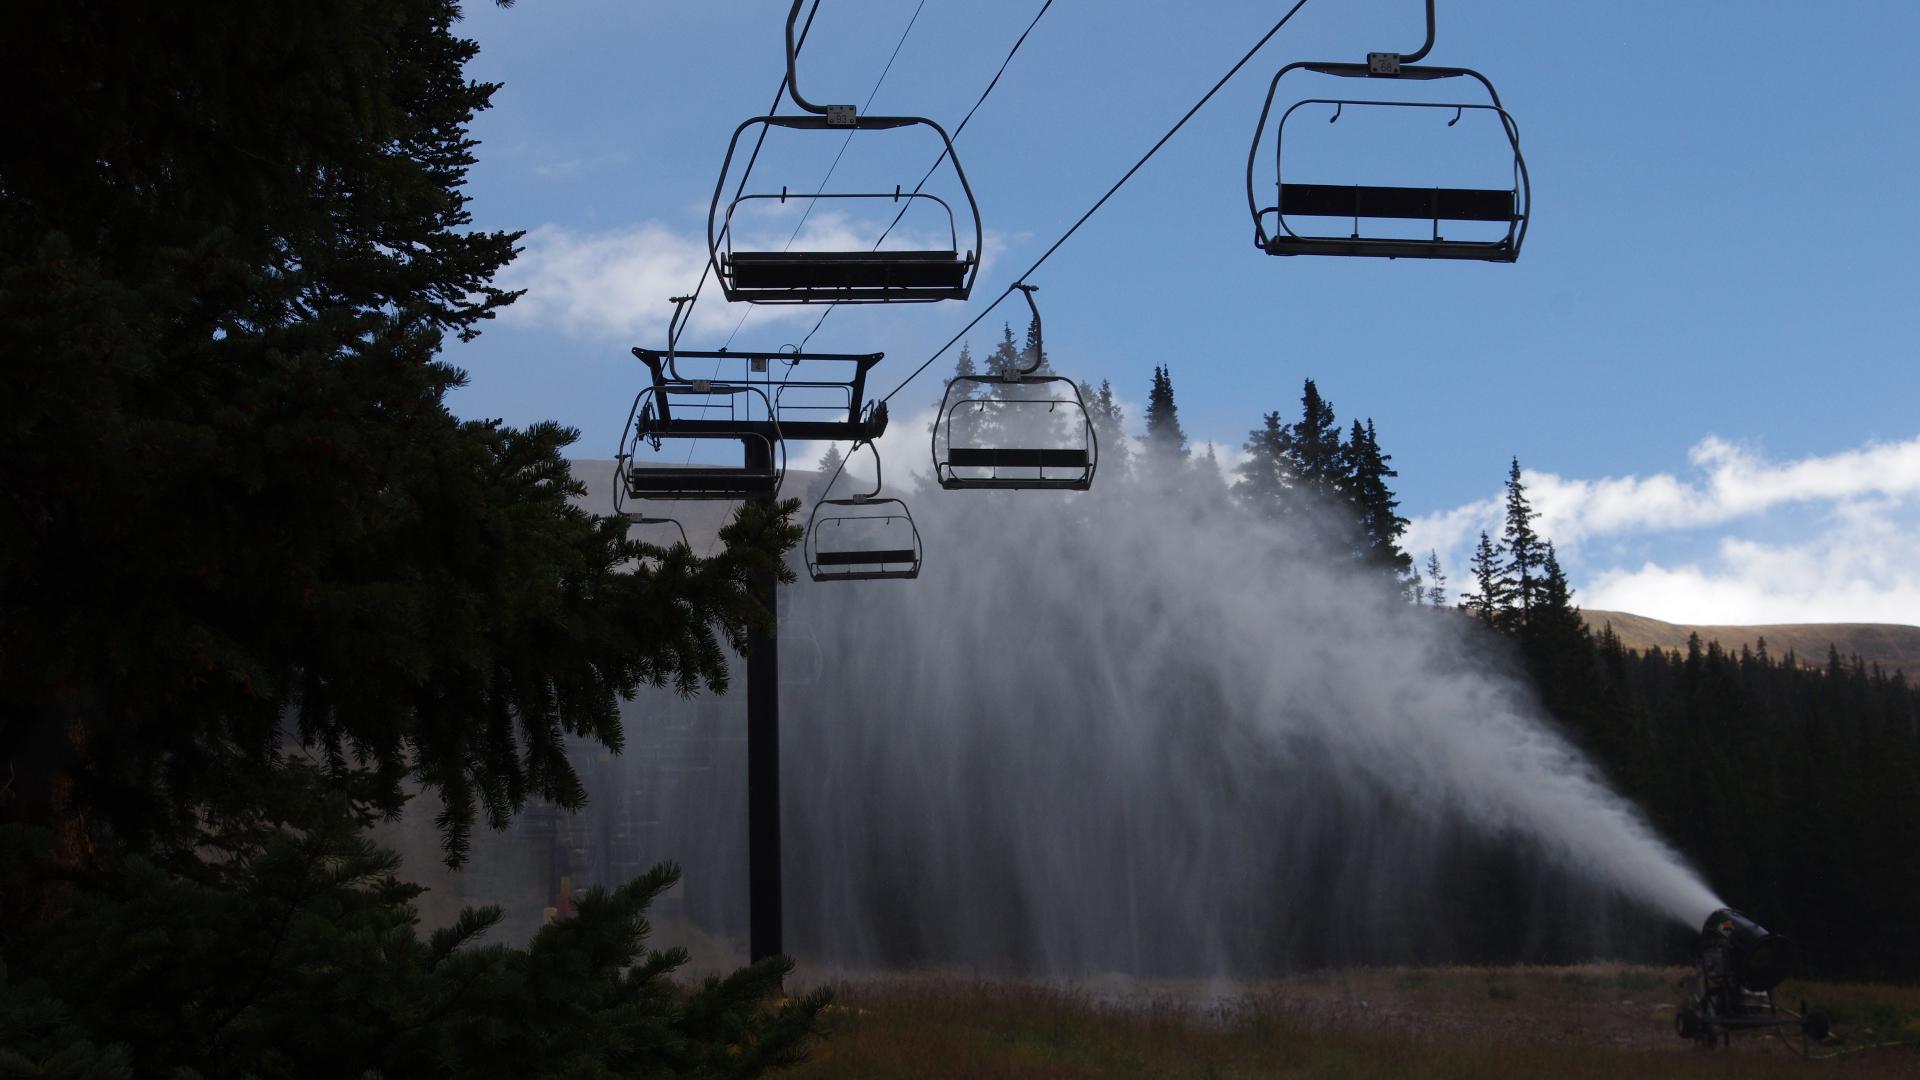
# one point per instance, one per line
(821, 398)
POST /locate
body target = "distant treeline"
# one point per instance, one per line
(1792, 789)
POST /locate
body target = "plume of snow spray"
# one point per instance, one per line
(1131, 729)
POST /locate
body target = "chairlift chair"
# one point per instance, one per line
(825, 404)
(1356, 203)
(636, 519)
(841, 544)
(976, 455)
(651, 423)
(840, 277)
(641, 520)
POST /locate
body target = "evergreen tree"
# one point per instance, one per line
(1559, 649)
(297, 953)
(1436, 581)
(1555, 611)
(1790, 787)
(1311, 445)
(963, 366)
(1491, 597)
(824, 471)
(1379, 525)
(225, 287)
(1109, 426)
(1164, 441)
(231, 248)
(1262, 485)
(1006, 357)
(1209, 481)
(1522, 544)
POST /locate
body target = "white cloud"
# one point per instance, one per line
(611, 284)
(554, 170)
(615, 283)
(1736, 483)
(1853, 557)
(1450, 531)
(1865, 568)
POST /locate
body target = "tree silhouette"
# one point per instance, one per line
(1491, 597)
(1522, 545)
(1164, 441)
(1436, 591)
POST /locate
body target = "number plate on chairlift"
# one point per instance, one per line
(1383, 63)
(841, 116)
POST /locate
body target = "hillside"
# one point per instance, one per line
(1891, 645)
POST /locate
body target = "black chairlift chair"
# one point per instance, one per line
(840, 545)
(759, 474)
(823, 405)
(839, 277)
(984, 453)
(654, 526)
(651, 423)
(1355, 203)
(640, 520)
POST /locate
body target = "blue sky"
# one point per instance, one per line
(1704, 357)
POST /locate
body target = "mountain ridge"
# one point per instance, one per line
(1894, 646)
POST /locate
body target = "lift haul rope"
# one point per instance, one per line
(778, 93)
(995, 81)
(694, 299)
(1117, 185)
(844, 143)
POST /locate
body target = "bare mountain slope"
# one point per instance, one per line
(1891, 645)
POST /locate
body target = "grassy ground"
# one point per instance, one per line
(1589, 1021)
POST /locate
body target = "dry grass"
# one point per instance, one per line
(1589, 1021)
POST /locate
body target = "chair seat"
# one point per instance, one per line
(1016, 458)
(1501, 251)
(1078, 482)
(701, 483)
(783, 271)
(905, 573)
(863, 558)
(1410, 203)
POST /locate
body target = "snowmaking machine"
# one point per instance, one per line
(1740, 963)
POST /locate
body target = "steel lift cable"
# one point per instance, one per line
(844, 143)
(831, 270)
(685, 314)
(865, 107)
(778, 93)
(1102, 201)
(931, 169)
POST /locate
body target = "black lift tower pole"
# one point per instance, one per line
(763, 761)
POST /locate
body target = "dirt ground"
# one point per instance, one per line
(1610, 1019)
